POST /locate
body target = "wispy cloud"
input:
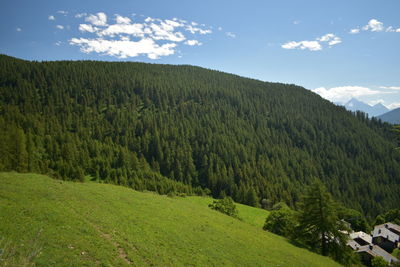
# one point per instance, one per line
(330, 38)
(18, 29)
(344, 93)
(51, 17)
(62, 12)
(394, 105)
(193, 42)
(121, 37)
(314, 45)
(80, 15)
(231, 34)
(60, 27)
(374, 25)
(390, 87)
(310, 45)
(100, 19)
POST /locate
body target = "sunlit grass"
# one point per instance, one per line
(92, 224)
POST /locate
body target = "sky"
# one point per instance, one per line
(339, 49)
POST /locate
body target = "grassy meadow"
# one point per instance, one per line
(56, 223)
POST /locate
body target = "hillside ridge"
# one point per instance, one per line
(188, 129)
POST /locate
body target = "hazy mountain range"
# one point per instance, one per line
(373, 111)
(392, 116)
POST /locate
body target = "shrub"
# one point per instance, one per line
(280, 222)
(379, 262)
(225, 206)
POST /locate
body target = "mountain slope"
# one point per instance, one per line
(78, 224)
(188, 129)
(392, 116)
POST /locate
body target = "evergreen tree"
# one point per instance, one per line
(319, 226)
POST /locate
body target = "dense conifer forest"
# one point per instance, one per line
(191, 130)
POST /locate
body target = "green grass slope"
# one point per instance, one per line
(57, 223)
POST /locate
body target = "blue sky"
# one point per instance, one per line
(339, 49)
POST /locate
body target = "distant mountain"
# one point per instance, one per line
(392, 116)
(373, 111)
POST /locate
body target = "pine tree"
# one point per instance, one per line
(319, 226)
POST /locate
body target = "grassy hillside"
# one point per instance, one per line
(71, 224)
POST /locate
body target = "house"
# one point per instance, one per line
(368, 252)
(383, 239)
(361, 238)
(387, 236)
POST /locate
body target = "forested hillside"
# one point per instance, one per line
(139, 124)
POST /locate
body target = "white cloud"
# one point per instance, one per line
(344, 93)
(18, 29)
(296, 22)
(374, 25)
(231, 34)
(193, 42)
(194, 30)
(62, 12)
(310, 45)
(124, 48)
(390, 29)
(136, 30)
(354, 31)
(51, 17)
(165, 31)
(87, 28)
(330, 38)
(314, 45)
(219, 28)
(394, 105)
(58, 43)
(100, 19)
(80, 15)
(152, 37)
(60, 27)
(390, 87)
(122, 20)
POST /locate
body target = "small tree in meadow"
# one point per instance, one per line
(281, 222)
(226, 206)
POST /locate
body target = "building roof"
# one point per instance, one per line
(384, 231)
(353, 244)
(391, 226)
(376, 251)
(361, 235)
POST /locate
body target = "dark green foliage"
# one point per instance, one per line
(379, 262)
(225, 206)
(390, 216)
(355, 218)
(183, 128)
(319, 226)
(266, 204)
(279, 206)
(281, 222)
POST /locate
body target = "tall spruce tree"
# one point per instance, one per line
(319, 226)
